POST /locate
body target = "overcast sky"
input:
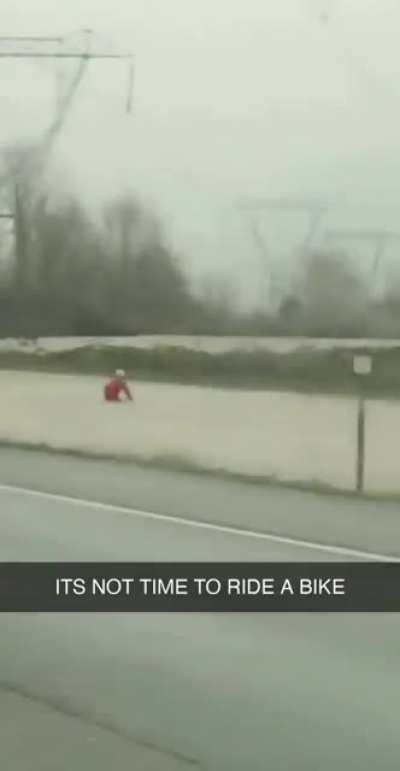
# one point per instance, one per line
(232, 98)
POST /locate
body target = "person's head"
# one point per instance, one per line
(120, 373)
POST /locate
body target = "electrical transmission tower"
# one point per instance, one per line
(379, 239)
(36, 47)
(32, 164)
(313, 209)
(256, 206)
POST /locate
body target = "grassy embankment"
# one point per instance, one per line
(306, 370)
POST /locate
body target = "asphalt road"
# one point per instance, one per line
(158, 692)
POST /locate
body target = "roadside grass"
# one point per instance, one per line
(306, 370)
(184, 465)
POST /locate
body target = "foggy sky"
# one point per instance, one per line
(232, 98)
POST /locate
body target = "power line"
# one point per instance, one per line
(85, 56)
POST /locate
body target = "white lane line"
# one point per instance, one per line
(342, 551)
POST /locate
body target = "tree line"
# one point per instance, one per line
(70, 275)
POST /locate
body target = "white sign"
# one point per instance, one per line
(362, 365)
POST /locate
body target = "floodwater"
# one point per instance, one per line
(286, 435)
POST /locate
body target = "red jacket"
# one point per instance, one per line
(114, 388)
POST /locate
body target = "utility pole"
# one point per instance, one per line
(362, 367)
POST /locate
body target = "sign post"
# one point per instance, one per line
(362, 367)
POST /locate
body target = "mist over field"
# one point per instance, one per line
(69, 273)
(135, 223)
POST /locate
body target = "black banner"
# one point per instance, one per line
(88, 587)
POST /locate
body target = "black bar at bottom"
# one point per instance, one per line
(89, 587)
